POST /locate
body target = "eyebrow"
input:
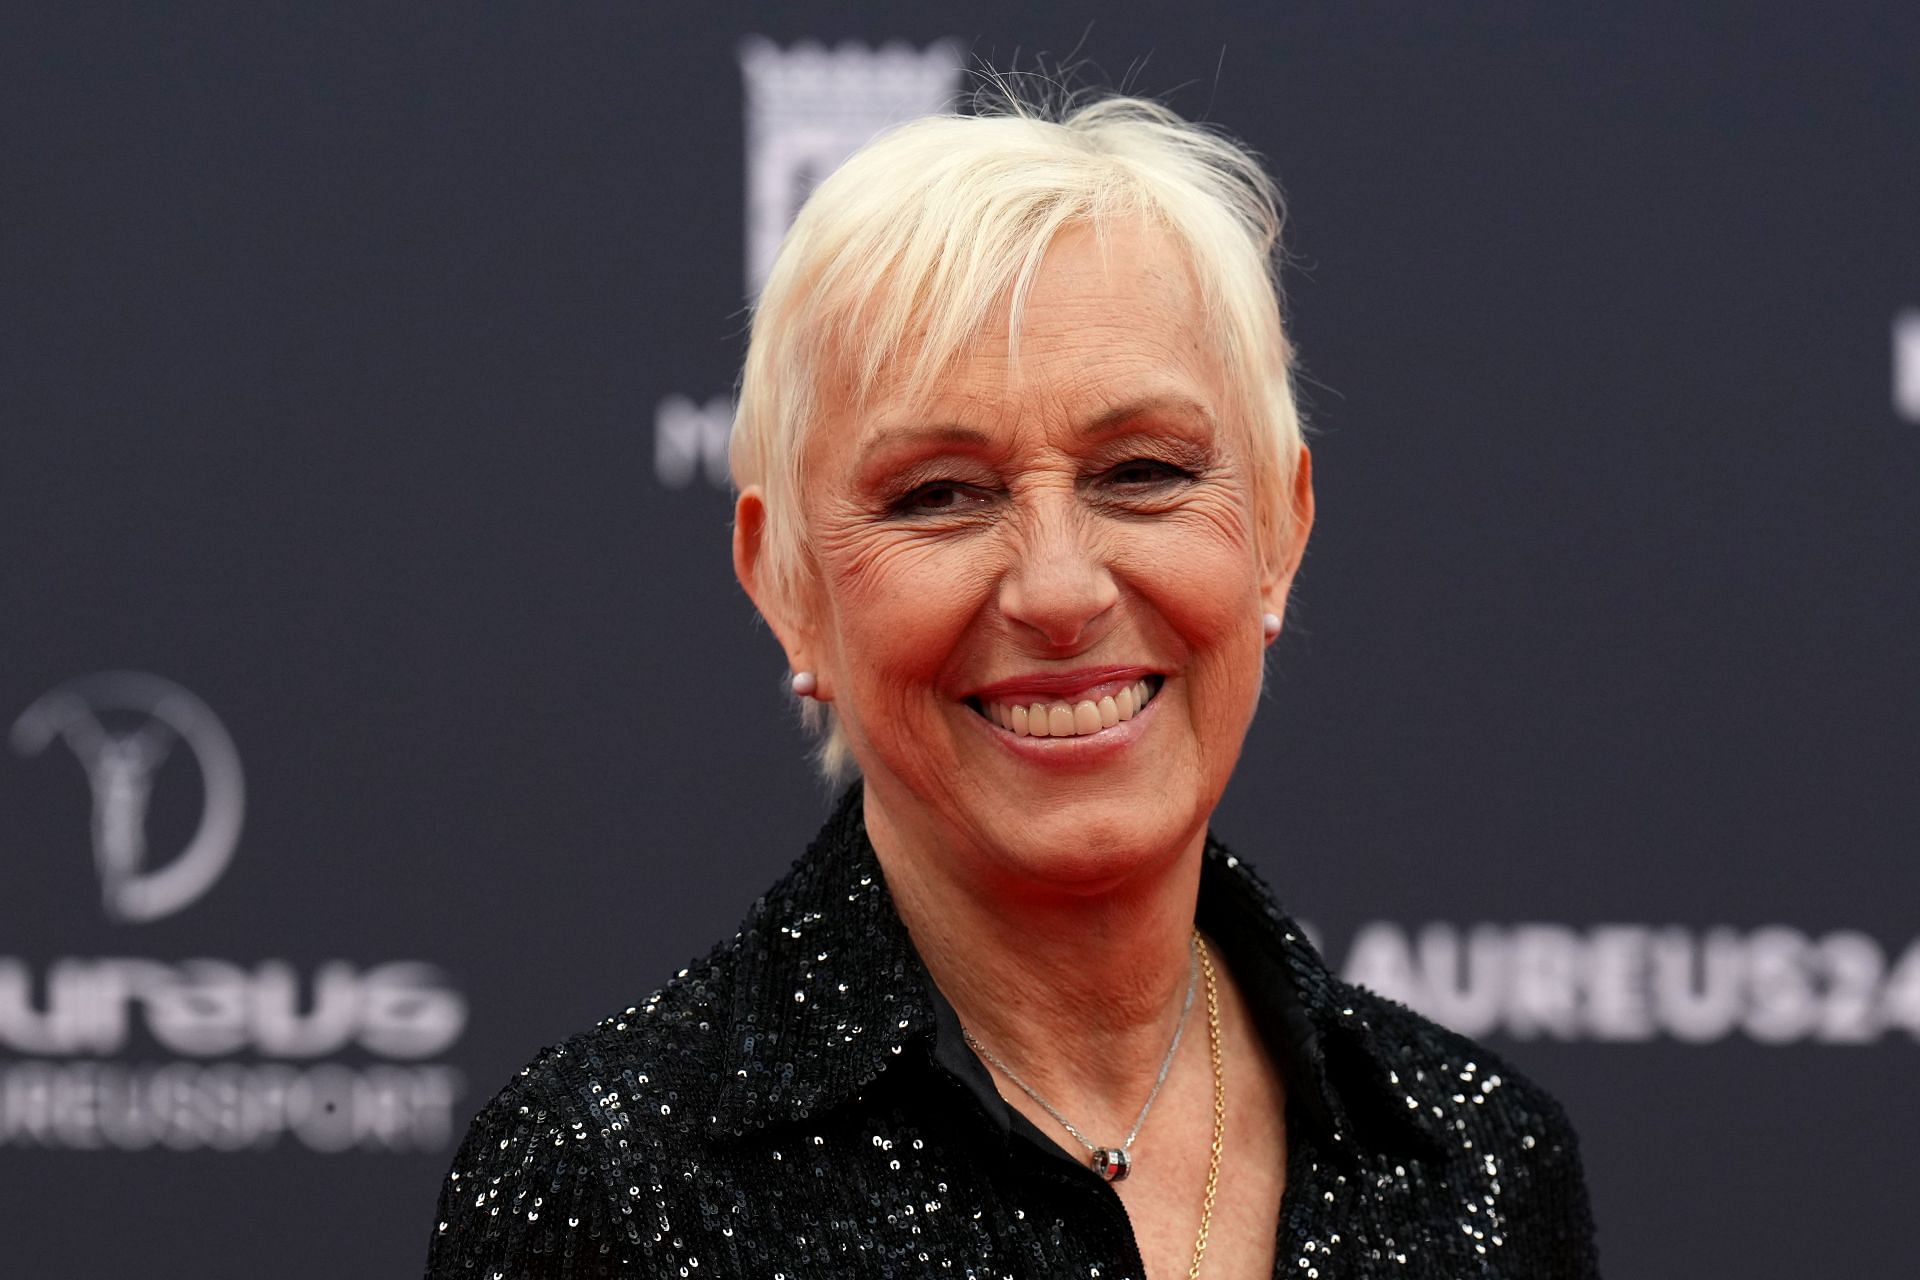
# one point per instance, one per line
(922, 434)
(1108, 422)
(1174, 406)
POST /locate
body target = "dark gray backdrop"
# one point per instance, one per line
(339, 355)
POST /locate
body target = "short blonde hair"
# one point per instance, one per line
(927, 230)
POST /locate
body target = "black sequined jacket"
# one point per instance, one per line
(801, 1104)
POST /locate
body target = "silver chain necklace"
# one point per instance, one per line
(1111, 1163)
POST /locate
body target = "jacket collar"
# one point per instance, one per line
(828, 989)
(1340, 1067)
(829, 994)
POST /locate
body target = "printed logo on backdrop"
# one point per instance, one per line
(208, 1053)
(807, 109)
(120, 765)
(1906, 364)
(1776, 984)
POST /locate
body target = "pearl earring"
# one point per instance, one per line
(804, 684)
(1270, 623)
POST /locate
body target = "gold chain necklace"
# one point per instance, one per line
(1219, 1110)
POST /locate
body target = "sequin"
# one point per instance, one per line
(774, 1112)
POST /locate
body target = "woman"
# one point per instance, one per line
(1021, 494)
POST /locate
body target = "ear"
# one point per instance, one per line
(789, 625)
(1288, 544)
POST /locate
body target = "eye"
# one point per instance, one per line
(1146, 473)
(937, 497)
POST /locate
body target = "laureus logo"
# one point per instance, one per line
(250, 1052)
(122, 726)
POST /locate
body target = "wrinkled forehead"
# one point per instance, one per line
(1109, 316)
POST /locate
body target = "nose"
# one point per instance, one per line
(1059, 589)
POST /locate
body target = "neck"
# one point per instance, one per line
(1077, 988)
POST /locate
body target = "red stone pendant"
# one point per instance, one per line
(1112, 1163)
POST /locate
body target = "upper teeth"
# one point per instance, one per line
(1070, 719)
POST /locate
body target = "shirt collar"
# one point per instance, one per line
(829, 993)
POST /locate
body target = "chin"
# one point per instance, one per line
(1089, 848)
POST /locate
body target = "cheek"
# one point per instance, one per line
(1198, 570)
(1199, 582)
(900, 605)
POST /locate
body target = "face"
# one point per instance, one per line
(1039, 602)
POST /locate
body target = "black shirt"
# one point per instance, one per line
(801, 1104)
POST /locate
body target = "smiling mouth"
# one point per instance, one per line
(1059, 719)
